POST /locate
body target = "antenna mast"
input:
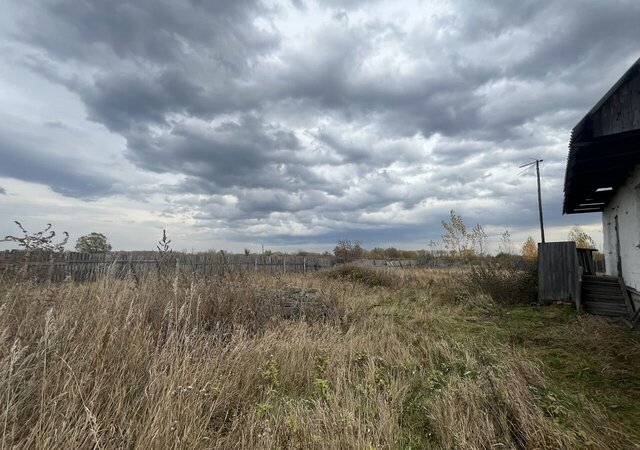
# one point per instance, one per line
(537, 163)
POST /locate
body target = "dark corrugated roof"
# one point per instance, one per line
(630, 73)
(604, 159)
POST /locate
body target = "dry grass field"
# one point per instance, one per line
(404, 359)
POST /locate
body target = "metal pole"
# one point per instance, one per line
(538, 161)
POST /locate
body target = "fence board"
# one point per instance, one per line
(558, 273)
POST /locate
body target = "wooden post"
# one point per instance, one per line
(66, 266)
(304, 264)
(627, 298)
(577, 280)
(538, 161)
(50, 274)
(131, 269)
(619, 256)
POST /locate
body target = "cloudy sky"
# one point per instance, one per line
(293, 124)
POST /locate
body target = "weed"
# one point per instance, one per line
(321, 388)
(271, 375)
(41, 240)
(321, 364)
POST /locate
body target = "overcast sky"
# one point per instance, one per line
(294, 124)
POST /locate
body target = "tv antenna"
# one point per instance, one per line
(537, 164)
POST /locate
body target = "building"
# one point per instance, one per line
(603, 175)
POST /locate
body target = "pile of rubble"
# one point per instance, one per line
(298, 301)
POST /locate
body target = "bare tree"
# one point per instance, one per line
(506, 245)
(581, 238)
(479, 238)
(456, 238)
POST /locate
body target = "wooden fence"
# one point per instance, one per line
(395, 263)
(73, 266)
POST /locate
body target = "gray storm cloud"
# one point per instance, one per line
(369, 112)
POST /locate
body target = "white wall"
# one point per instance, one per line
(626, 205)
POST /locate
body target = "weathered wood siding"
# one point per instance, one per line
(558, 273)
(621, 112)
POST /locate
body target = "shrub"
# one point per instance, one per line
(507, 283)
(369, 276)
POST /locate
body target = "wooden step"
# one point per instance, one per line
(605, 296)
(602, 298)
(602, 287)
(609, 295)
(601, 290)
(606, 304)
(599, 283)
(605, 310)
(604, 301)
(610, 287)
(604, 292)
(599, 278)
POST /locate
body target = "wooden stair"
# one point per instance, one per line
(605, 296)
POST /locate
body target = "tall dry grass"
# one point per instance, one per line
(211, 363)
(187, 365)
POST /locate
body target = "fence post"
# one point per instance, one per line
(304, 264)
(131, 269)
(50, 274)
(65, 269)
